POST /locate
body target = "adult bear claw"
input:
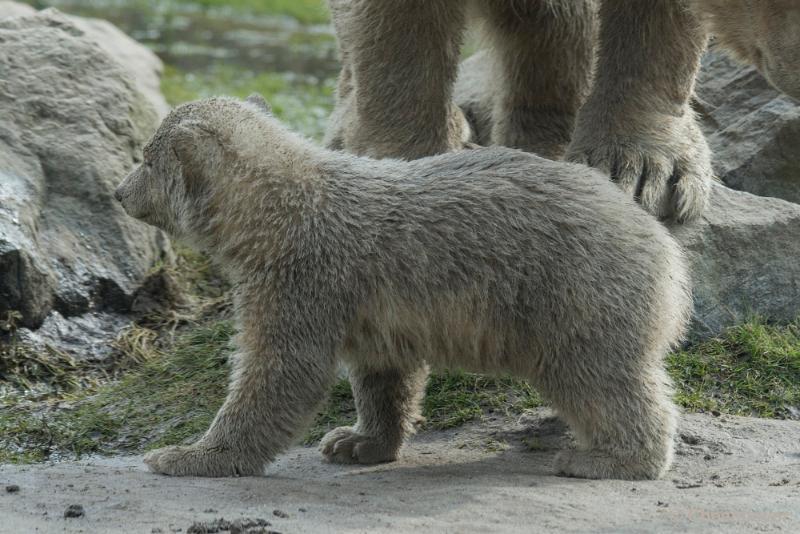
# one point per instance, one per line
(665, 163)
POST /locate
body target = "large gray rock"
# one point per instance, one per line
(745, 250)
(15, 9)
(753, 130)
(473, 94)
(141, 64)
(72, 123)
(744, 254)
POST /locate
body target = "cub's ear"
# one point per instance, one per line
(258, 101)
(197, 148)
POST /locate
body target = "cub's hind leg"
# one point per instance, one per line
(387, 402)
(623, 419)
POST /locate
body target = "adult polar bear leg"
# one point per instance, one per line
(388, 403)
(765, 34)
(541, 52)
(637, 124)
(276, 383)
(403, 58)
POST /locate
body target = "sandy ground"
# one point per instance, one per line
(731, 475)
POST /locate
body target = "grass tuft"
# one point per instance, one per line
(754, 369)
(453, 398)
(166, 399)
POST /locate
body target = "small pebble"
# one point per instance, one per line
(74, 510)
(280, 513)
(12, 488)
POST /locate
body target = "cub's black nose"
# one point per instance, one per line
(118, 194)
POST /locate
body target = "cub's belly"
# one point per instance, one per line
(447, 337)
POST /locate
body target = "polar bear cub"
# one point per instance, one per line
(490, 260)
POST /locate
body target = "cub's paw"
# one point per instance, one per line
(344, 445)
(596, 464)
(664, 161)
(200, 461)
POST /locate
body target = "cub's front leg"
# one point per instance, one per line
(637, 124)
(282, 372)
(388, 402)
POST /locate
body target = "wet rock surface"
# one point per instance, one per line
(72, 124)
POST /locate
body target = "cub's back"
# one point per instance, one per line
(512, 242)
(496, 213)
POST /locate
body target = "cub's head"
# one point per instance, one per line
(764, 33)
(186, 162)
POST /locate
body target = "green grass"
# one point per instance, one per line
(304, 11)
(753, 370)
(168, 398)
(172, 393)
(454, 398)
(451, 399)
(172, 397)
(302, 105)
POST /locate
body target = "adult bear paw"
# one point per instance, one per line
(662, 160)
(344, 445)
(201, 461)
(597, 464)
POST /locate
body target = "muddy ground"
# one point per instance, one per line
(731, 474)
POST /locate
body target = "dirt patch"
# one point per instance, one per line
(731, 474)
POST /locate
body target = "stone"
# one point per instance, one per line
(753, 130)
(138, 61)
(743, 254)
(15, 9)
(141, 63)
(73, 121)
(472, 93)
